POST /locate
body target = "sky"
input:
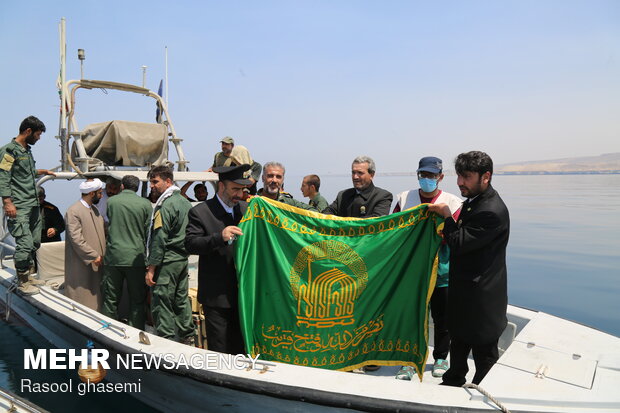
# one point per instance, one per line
(313, 84)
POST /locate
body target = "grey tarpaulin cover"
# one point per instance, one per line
(125, 143)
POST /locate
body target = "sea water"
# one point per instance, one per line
(564, 248)
(563, 259)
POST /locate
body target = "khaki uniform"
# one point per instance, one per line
(18, 181)
(129, 216)
(222, 160)
(167, 252)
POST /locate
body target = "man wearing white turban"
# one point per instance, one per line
(85, 247)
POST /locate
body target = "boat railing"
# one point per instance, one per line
(6, 249)
(13, 403)
(93, 315)
(84, 162)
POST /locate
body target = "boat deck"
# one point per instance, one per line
(547, 364)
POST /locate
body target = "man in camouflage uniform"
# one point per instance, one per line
(310, 189)
(273, 181)
(167, 266)
(20, 199)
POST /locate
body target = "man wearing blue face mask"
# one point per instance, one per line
(429, 176)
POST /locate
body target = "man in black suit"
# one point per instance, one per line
(211, 231)
(364, 200)
(478, 293)
(53, 222)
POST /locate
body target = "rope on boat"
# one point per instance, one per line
(77, 170)
(104, 325)
(88, 313)
(487, 395)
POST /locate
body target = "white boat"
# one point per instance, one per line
(547, 364)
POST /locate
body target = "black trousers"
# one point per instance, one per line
(439, 308)
(223, 330)
(485, 356)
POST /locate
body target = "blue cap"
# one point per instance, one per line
(430, 164)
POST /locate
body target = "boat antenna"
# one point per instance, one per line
(144, 76)
(166, 75)
(82, 57)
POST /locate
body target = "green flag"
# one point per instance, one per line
(336, 293)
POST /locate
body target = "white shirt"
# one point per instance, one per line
(102, 206)
(228, 209)
(409, 199)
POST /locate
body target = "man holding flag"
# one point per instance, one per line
(328, 291)
(478, 288)
(211, 232)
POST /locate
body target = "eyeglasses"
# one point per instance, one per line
(425, 174)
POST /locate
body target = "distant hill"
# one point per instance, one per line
(606, 163)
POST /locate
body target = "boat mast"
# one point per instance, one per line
(62, 133)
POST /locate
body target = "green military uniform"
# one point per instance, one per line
(319, 202)
(18, 182)
(288, 199)
(167, 252)
(129, 216)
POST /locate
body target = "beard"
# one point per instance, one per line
(156, 193)
(96, 200)
(231, 202)
(470, 192)
(30, 139)
(272, 189)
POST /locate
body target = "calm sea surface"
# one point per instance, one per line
(564, 248)
(563, 259)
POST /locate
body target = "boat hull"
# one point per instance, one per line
(283, 387)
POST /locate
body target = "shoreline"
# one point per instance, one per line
(452, 173)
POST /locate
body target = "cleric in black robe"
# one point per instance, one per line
(477, 292)
(211, 232)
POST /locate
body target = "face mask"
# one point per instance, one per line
(427, 184)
